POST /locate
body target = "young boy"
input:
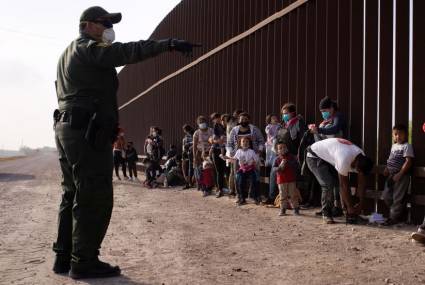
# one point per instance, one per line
(398, 165)
(286, 177)
(248, 161)
(132, 158)
(207, 177)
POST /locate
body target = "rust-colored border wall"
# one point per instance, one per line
(343, 49)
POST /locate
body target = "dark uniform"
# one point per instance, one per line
(85, 128)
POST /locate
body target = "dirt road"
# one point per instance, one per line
(178, 237)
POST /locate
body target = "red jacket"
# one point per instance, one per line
(289, 173)
(207, 177)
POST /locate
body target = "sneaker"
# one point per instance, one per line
(96, 269)
(319, 213)
(297, 211)
(219, 194)
(241, 202)
(328, 220)
(187, 186)
(418, 236)
(62, 264)
(337, 212)
(204, 193)
(282, 212)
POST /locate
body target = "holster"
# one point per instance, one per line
(100, 132)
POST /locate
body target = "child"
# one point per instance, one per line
(119, 155)
(207, 177)
(248, 161)
(173, 172)
(132, 158)
(272, 129)
(397, 169)
(286, 176)
(217, 150)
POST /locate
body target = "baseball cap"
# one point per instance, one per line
(94, 13)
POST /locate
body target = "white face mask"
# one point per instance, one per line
(202, 126)
(108, 36)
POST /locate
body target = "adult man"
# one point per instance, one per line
(330, 161)
(85, 127)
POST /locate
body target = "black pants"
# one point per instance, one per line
(119, 161)
(87, 198)
(220, 166)
(151, 170)
(132, 169)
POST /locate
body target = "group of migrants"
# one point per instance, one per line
(306, 165)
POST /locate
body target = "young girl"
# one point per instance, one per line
(201, 145)
(272, 129)
(286, 176)
(247, 160)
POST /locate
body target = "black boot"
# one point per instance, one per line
(95, 269)
(62, 264)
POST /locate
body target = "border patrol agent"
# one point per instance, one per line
(85, 127)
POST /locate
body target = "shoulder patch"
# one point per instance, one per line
(103, 45)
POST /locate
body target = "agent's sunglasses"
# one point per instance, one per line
(106, 23)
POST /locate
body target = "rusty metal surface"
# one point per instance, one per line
(315, 50)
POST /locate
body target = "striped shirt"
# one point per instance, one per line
(398, 155)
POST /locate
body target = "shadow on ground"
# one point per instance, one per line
(122, 280)
(11, 177)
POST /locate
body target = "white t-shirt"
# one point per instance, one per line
(338, 152)
(247, 156)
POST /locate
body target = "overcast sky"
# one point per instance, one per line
(33, 34)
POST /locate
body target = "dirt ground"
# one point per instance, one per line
(171, 236)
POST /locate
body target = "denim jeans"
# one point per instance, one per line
(241, 183)
(327, 177)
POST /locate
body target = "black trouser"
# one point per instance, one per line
(220, 166)
(151, 170)
(119, 160)
(87, 199)
(132, 168)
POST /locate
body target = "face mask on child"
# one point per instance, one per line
(154, 134)
(202, 126)
(326, 115)
(286, 117)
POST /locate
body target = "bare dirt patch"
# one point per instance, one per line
(171, 236)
